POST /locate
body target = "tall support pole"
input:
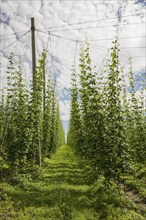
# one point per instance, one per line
(33, 52)
(38, 159)
(44, 88)
(44, 79)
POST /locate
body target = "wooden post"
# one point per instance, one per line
(33, 52)
(38, 159)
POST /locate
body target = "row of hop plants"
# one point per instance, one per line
(107, 123)
(30, 124)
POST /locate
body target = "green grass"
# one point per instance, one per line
(64, 192)
(137, 182)
(137, 186)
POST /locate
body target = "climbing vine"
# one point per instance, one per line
(105, 118)
(30, 127)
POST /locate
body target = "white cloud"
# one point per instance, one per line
(53, 13)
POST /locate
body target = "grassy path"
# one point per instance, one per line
(63, 192)
(60, 194)
(68, 193)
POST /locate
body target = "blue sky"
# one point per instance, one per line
(15, 18)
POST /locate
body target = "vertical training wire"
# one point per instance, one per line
(53, 73)
(37, 43)
(74, 59)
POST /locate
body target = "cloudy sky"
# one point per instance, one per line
(64, 25)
